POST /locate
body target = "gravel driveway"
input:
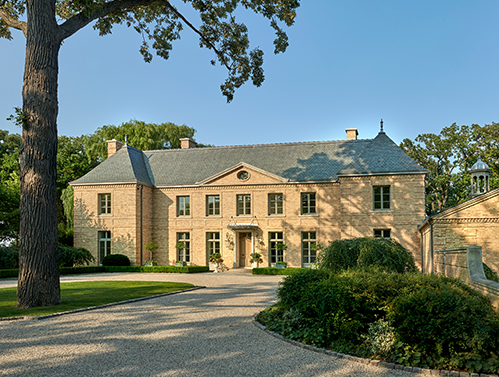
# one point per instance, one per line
(206, 332)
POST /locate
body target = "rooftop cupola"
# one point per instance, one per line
(479, 178)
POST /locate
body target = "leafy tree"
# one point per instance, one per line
(448, 157)
(141, 135)
(48, 23)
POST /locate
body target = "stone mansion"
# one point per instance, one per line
(237, 200)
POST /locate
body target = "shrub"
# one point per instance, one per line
(167, 269)
(367, 251)
(277, 271)
(490, 273)
(116, 260)
(74, 256)
(9, 257)
(413, 319)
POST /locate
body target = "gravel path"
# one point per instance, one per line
(206, 332)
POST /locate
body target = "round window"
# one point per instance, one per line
(243, 175)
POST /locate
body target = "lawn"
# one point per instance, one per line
(89, 293)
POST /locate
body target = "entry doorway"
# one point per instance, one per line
(244, 248)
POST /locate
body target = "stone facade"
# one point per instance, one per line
(313, 211)
(472, 223)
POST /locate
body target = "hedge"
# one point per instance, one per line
(13, 273)
(277, 271)
(167, 269)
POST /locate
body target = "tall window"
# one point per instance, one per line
(183, 247)
(183, 206)
(104, 204)
(213, 205)
(381, 233)
(212, 243)
(275, 255)
(308, 251)
(104, 244)
(381, 197)
(244, 204)
(275, 204)
(308, 203)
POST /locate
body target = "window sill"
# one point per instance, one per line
(309, 215)
(274, 216)
(248, 216)
(105, 215)
(381, 211)
(213, 217)
(183, 217)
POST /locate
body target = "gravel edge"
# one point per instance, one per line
(97, 307)
(377, 363)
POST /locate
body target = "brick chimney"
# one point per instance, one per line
(187, 143)
(113, 146)
(351, 133)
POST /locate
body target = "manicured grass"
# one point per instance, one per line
(89, 293)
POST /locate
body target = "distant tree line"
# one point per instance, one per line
(448, 157)
(76, 156)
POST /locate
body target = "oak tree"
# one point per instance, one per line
(45, 25)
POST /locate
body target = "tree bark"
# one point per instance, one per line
(38, 255)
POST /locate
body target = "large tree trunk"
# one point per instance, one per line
(38, 256)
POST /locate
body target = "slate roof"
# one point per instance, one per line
(297, 162)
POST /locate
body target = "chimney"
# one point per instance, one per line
(351, 133)
(187, 143)
(113, 146)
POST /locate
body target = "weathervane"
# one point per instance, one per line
(126, 139)
(381, 123)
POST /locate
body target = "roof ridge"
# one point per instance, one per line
(259, 145)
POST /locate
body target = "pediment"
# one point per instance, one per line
(242, 174)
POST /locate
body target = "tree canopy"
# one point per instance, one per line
(46, 24)
(448, 157)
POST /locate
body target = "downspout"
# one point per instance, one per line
(421, 248)
(431, 246)
(141, 225)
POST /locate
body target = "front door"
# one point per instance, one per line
(244, 249)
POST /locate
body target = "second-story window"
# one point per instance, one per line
(183, 206)
(308, 203)
(381, 197)
(244, 204)
(275, 204)
(104, 204)
(213, 205)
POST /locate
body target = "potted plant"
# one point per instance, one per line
(256, 259)
(216, 258)
(281, 264)
(281, 248)
(151, 247)
(180, 246)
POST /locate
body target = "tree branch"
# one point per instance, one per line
(12, 22)
(75, 23)
(207, 41)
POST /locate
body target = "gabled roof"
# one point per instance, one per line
(320, 161)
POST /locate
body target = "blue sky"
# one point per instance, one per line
(420, 66)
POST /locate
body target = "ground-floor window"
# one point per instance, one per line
(104, 244)
(381, 233)
(183, 247)
(275, 255)
(308, 251)
(212, 244)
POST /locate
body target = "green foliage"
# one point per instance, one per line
(141, 135)
(116, 260)
(81, 270)
(447, 320)
(448, 156)
(9, 257)
(66, 236)
(276, 271)
(151, 246)
(166, 269)
(384, 253)
(409, 318)
(490, 273)
(10, 273)
(74, 256)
